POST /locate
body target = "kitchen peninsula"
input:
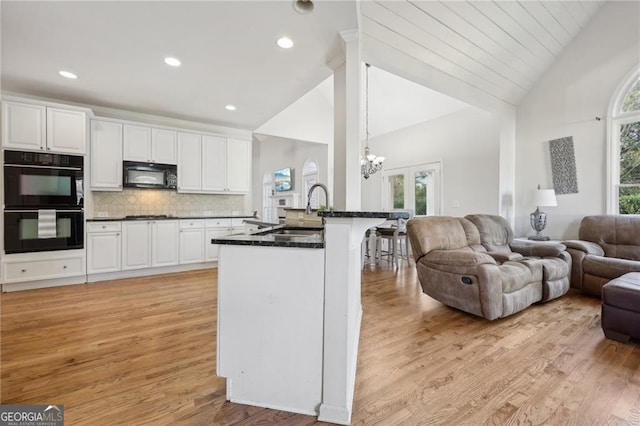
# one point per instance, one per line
(289, 314)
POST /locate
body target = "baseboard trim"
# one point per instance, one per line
(134, 273)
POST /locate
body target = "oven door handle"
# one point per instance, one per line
(43, 167)
(36, 211)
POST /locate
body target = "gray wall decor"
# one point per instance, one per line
(563, 166)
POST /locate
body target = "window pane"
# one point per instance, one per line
(630, 153)
(632, 98)
(629, 200)
(421, 192)
(396, 184)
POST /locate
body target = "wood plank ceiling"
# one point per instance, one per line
(500, 48)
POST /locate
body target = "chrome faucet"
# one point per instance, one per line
(326, 195)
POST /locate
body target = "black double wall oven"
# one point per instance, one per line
(43, 202)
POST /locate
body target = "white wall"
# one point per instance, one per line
(468, 144)
(576, 88)
(271, 153)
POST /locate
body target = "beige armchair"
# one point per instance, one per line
(455, 268)
(608, 247)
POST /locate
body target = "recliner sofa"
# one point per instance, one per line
(608, 247)
(468, 264)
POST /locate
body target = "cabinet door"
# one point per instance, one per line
(136, 245)
(66, 131)
(189, 162)
(137, 143)
(214, 161)
(103, 252)
(238, 165)
(191, 246)
(164, 243)
(212, 250)
(106, 156)
(163, 146)
(23, 126)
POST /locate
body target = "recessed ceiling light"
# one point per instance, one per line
(67, 74)
(285, 42)
(172, 61)
(230, 107)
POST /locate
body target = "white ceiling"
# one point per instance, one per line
(495, 48)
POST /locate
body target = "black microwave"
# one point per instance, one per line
(149, 175)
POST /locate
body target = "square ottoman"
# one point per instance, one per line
(621, 307)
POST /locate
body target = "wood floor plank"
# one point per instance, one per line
(143, 351)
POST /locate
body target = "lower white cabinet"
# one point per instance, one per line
(192, 241)
(149, 244)
(103, 247)
(24, 267)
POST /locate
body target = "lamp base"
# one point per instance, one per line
(539, 238)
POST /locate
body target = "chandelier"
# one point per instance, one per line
(370, 163)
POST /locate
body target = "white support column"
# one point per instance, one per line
(507, 177)
(347, 126)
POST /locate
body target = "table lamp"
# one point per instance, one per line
(542, 198)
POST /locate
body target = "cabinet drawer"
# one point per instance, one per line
(218, 223)
(104, 226)
(192, 224)
(31, 270)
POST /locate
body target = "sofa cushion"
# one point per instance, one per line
(435, 233)
(618, 235)
(623, 292)
(495, 232)
(608, 267)
(515, 276)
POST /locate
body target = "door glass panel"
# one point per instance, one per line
(396, 191)
(630, 153)
(45, 185)
(420, 182)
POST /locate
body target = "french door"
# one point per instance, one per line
(417, 189)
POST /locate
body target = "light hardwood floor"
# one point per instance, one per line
(142, 351)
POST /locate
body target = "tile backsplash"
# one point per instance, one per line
(155, 201)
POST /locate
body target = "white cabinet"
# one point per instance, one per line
(38, 127)
(106, 156)
(25, 267)
(214, 155)
(216, 228)
(211, 164)
(164, 243)
(136, 245)
(149, 244)
(103, 247)
(192, 241)
(189, 162)
(238, 165)
(149, 145)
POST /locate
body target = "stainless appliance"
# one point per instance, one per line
(43, 202)
(39, 180)
(149, 175)
(23, 231)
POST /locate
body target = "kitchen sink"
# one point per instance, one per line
(291, 232)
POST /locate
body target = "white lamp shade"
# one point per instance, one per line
(545, 198)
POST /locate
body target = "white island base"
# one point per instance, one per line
(289, 319)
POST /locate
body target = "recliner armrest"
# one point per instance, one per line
(504, 257)
(586, 246)
(539, 250)
(458, 258)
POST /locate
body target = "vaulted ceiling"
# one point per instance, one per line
(491, 50)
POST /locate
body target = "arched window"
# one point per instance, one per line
(624, 149)
(309, 177)
(267, 201)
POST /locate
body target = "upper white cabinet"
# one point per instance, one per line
(39, 127)
(149, 145)
(212, 164)
(238, 165)
(189, 162)
(106, 156)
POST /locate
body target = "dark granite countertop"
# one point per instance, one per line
(153, 217)
(385, 215)
(274, 238)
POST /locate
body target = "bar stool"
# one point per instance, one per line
(397, 242)
(368, 238)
